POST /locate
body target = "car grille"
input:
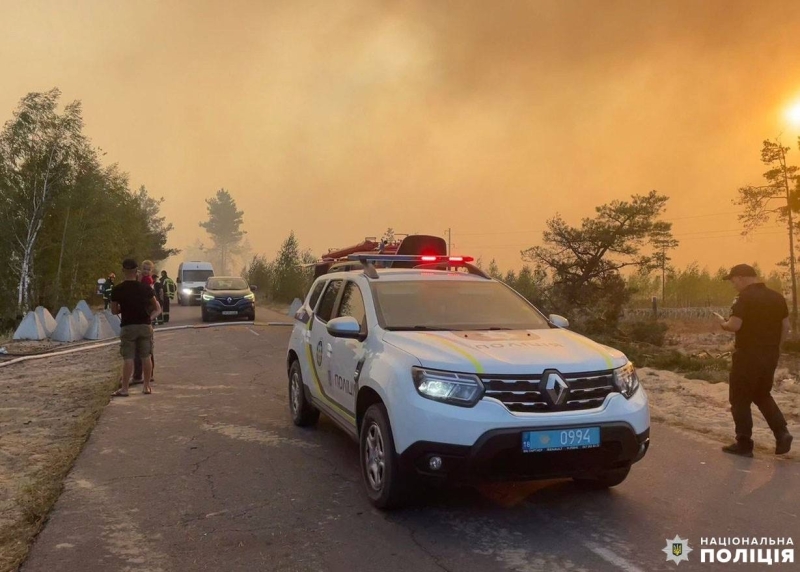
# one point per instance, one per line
(520, 393)
(224, 300)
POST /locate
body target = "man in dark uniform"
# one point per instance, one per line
(760, 318)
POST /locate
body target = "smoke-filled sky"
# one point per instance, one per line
(338, 119)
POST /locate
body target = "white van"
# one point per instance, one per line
(191, 280)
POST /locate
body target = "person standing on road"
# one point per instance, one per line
(169, 293)
(760, 319)
(145, 276)
(108, 285)
(137, 305)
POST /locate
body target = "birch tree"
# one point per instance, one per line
(38, 151)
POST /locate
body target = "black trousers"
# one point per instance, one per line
(752, 374)
(165, 309)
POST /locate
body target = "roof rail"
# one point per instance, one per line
(433, 262)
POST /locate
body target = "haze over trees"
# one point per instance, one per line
(584, 263)
(287, 276)
(778, 199)
(224, 226)
(65, 219)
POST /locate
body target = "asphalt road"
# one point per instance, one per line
(208, 473)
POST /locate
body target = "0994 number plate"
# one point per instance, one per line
(560, 439)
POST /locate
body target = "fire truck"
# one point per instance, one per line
(336, 260)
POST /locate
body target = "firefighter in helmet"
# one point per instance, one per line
(108, 285)
(170, 289)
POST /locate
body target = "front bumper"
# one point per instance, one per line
(497, 455)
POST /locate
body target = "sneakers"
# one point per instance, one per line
(783, 444)
(738, 448)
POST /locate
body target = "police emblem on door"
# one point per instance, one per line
(319, 353)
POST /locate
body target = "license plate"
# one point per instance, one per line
(230, 313)
(560, 439)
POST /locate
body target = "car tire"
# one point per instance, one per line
(204, 315)
(604, 479)
(380, 467)
(303, 413)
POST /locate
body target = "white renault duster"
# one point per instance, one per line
(447, 374)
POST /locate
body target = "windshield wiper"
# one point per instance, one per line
(492, 328)
(420, 329)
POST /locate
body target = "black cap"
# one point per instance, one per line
(743, 270)
(129, 264)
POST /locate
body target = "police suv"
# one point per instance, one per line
(444, 374)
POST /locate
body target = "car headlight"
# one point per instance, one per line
(187, 290)
(625, 380)
(250, 296)
(207, 297)
(462, 389)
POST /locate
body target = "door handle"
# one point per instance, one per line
(329, 349)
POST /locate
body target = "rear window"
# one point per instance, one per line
(453, 305)
(312, 300)
(328, 299)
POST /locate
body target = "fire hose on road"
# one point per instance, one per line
(86, 346)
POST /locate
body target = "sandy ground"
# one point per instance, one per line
(703, 407)
(47, 408)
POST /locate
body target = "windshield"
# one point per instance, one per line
(197, 275)
(453, 305)
(226, 284)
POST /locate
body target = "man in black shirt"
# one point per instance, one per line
(138, 306)
(760, 318)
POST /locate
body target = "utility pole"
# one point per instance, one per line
(663, 273)
(448, 241)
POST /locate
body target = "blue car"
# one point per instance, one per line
(228, 297)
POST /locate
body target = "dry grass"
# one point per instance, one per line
(48, 410)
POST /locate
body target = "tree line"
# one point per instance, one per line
(65, 218)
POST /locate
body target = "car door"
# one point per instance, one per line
(320, 349)
(347, 354)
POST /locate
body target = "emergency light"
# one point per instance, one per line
(424, 258)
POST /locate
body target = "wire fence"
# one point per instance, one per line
(696, 313)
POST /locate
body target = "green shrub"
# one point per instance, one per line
(650, 332)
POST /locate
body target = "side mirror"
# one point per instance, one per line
(344, 327)
(558, 321)
(253, 288)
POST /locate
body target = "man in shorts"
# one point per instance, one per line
(138, 306)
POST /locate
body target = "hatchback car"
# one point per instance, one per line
(228, 297)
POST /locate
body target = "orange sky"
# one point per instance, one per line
(340, 119)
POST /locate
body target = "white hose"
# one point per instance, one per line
(115, 341)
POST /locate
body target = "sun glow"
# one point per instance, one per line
(793, 114)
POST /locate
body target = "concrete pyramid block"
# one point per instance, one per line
(84, 308)
(31, 328)
(64, 310)
(114, 321)
(67, 328)
(99, 329)
(80, 321)
(47, 319)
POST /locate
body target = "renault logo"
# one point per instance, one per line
(230, 299)
(554, 386)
